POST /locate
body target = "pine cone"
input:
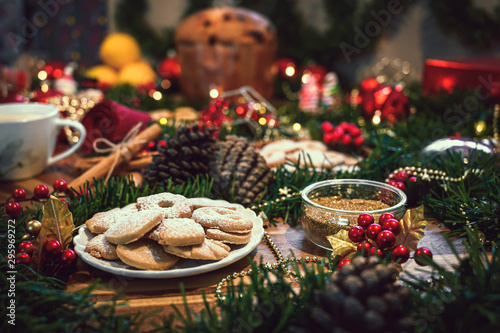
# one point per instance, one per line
(235, 160)
(361, 297)
(183, 157)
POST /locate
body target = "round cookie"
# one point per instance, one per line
(133, 226)
(228, 237)
(223, 218)
(146, 254)
(196, 203)
(178, 232)
(208, 250)
(99, 247)
(169, 204)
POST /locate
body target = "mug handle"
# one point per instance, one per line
(83, 133)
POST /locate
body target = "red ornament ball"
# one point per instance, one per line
(386, 239)
(343, 262)
(376, 252)
(373, 230)
(25, 247)
(401, 176)
(41, 192)
(359, 141)
(422, 255)
(23, 259)
(19, 194)
(13, 209)
(400, 254)
(68, 258)
(327, 126)
(52, 248)
(364, 248)
(364, 220)
(392, 225)
(356, 234)
(60, 185)
(384, 217)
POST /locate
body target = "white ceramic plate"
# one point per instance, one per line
(185, 267)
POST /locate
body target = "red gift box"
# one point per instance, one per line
(480, 74)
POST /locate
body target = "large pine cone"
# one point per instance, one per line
(235, 160)
(183, 157)
(362, 297)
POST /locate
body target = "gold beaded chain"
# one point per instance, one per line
(430, 174)
(282, 263)
(285, 194)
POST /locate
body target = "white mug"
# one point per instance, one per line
(28, 133)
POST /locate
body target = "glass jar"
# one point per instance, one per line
(320, 221)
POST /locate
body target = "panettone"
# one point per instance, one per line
(226, 48)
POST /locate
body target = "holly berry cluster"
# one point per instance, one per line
(378, 239)
(345, 135)
(54, 261)
(40, 192)
(401, 179)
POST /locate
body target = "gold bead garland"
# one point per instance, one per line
(282, 263)
(430, 174)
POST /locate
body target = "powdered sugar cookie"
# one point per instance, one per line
(228, 237)
(101, 222)
(99, 247)
(171, 205)
(133, 226)
(196, 203)
(208, 250)
(223, 218)
(178, 232)
(146, 254)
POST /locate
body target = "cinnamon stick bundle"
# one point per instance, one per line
(122, 154)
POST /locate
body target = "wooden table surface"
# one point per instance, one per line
(150, 294)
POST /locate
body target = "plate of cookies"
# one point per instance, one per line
(166, 235)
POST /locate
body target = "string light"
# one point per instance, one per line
(44, 88)
(290, 70)
(165, 84)
(42, 75)
(214, 93)
(296, 127)
(157, 95)
(262, 121)
(376, 118)
(480, 127)
(163, 121)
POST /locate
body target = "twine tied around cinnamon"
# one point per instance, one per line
(120, 149)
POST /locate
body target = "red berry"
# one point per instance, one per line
(413, 179)
(373, 230)
(400, 253)
(41, 192)
(52, 248)
(19, 194)
(326, 127)
(401, 176)
(328, 138)
(392, 225)
(386, 239)
(364, 220)
(337, 133)
(359, 141)
(23, 259)
(354, 130)
(162, 143)
(346, 140)
(376, 252)
(343, 262)
(422, 255)
(25, 247)
(356, 234)
(364, 248)
(384, 217)
(392, 182)
(13, 209)
(344, 125)
(68, 258)
(401, 186)
(60, 185)
(151, 145)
